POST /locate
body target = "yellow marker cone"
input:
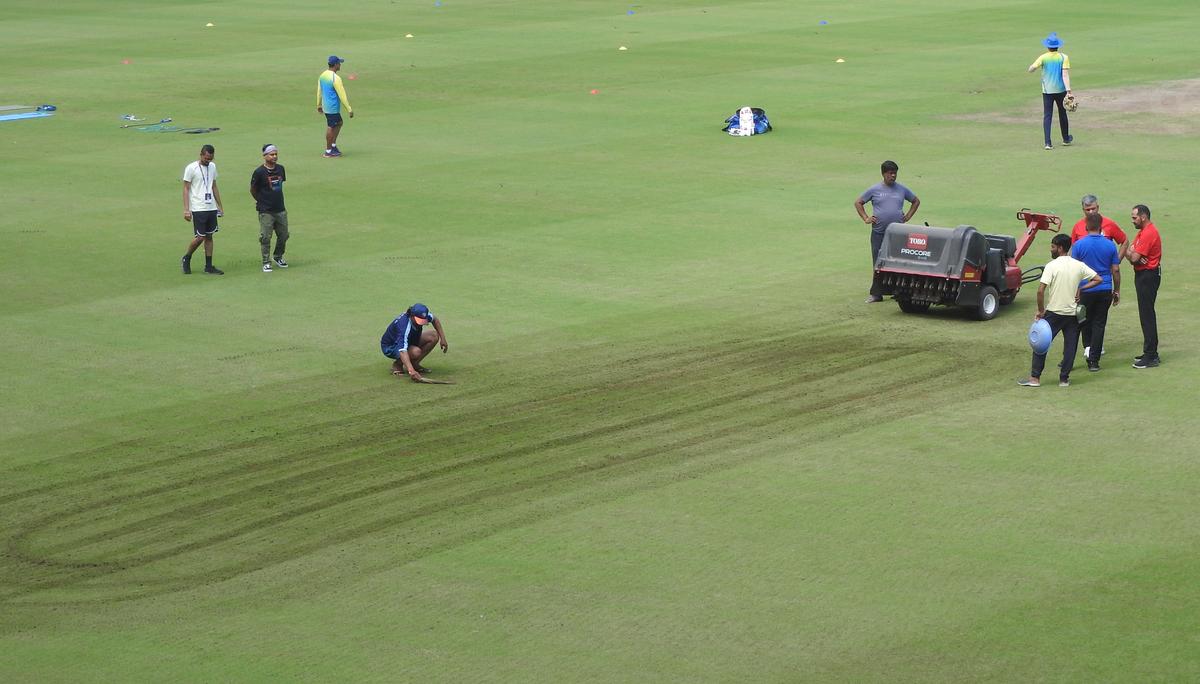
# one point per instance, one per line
(408, 35)
(622, 48)
(840, 60)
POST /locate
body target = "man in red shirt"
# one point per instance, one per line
(1146, 257)
(1108, 227)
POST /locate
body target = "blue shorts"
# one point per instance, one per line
(333, 120)
(392, 352)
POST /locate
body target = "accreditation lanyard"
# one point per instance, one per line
(207, 178)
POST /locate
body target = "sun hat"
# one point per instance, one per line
(1040, 336)
(1051, 41)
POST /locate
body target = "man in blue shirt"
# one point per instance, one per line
(887, 207)
(1102, 256)
(407, 343)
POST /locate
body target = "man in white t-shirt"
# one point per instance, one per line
(202, 206)
(1057, 300)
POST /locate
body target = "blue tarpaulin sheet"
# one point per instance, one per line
(26, 115)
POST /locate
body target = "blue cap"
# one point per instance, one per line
(1052, 40)
(334, 59)
(419, 311)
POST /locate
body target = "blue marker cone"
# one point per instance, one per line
(822, 22)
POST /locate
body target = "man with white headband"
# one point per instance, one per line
(266, 187)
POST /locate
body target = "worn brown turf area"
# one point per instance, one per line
(1163, 108)
(184, 518)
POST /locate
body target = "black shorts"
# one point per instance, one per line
(334, 120)
(204, 223)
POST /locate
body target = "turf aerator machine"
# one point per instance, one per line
(920, 266)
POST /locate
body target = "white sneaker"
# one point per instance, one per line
(266, 267)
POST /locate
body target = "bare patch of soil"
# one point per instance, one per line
(1165, 108)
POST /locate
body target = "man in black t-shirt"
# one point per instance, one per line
(266, 187)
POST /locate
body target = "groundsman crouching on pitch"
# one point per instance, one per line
(407, 343)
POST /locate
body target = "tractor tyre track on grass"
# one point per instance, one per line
(670, 423)
(681, 364)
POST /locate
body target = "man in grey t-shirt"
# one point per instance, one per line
(887, 207)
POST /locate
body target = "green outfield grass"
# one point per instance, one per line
(680, 447)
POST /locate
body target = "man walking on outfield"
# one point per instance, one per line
(1146, 257)
(1100, 255)
(887, 207)
(1056, 87)
(1108, 227)
(406, 342)
(1058, 295)
(202, 207)
(266, 187)
(331, 98)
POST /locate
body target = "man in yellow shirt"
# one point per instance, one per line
(1057, 299)
(331, 99)
(1056, 87)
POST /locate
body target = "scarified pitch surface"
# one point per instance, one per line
(192, 518)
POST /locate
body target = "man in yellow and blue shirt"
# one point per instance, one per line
(331, 99)
(1056, 87)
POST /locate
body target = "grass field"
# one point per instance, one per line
(680, 447)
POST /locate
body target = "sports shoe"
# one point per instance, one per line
(1029, 382)
(334, 153)
(266, 267)
(280, 262)
(186, 263)
(328, 154)
(1093, 366)
(1146, 363)
(1139, 357)
(1049, 147)
(873, 299)
(213, 270)
(1064, 383)
(1069, 139)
